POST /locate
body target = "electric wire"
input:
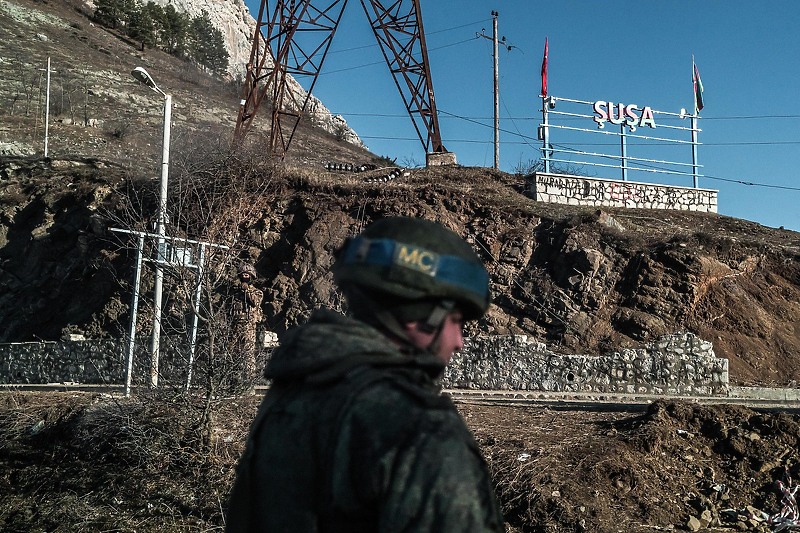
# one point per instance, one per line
(526, 140)
(374, 44)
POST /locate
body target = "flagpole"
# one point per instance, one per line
(694, 150)
(694, 124)
(545, 127)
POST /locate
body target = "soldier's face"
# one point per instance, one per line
(450, 340)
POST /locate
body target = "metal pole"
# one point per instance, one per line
(47, 109)
(196, 316)
(134, 308)
(624, 151)
(496, 94)
(545, 136)
(694, 150)
(155, 345)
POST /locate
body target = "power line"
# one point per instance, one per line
(382, 62)
(752, 183)
(718, 178)
(676, 119)
(455, 27)
(526, 138)
(477, 119)
(704, 176)
(375, 44)
(750, 117)
(730, 143)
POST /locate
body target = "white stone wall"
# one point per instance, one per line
(575, 190)
(680, 364)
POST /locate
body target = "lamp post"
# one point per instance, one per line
(155, 345)
(47, 108)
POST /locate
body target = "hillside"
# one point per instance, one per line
(582, 280)
(97, 109)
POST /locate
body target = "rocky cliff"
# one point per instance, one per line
(238, 26)
(580, 280)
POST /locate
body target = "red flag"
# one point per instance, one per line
(544, 69)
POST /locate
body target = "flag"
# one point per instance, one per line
(698, 89)
(544, 69)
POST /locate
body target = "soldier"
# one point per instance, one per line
(353, 434)
(246, 316)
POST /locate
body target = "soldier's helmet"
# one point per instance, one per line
(246, 268)
(410, 264)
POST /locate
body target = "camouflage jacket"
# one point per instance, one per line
(353, 436)
(245, 299)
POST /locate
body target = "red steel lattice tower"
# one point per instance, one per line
(293, 39)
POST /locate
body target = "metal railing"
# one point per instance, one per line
(626, 118)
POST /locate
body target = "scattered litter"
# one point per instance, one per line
(719, 487)
(394, 173)
(350, 167)
(788, 517)
(523, 457)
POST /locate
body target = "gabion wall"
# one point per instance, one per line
(675, 364)
(93, 362)
(680, 364)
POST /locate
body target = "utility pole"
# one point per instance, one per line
(496, 43)
(496, 94)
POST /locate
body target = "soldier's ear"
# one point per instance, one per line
(337, 253)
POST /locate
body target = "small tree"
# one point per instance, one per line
(207, 45)
(145, 23)
(108, 13)
(173, 30)
(216, 196)
(114, 13)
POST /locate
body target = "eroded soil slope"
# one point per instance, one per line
(581, 279)
(84, 462)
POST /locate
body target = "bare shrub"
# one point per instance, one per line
(119, 129)
(107, 459)
(216, 195)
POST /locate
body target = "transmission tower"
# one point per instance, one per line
(294, 38)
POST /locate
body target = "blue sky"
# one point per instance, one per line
(637, 52)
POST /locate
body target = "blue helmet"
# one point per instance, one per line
(415, 261)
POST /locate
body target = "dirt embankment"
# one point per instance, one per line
(579, 279)
(582, 280)
(83, 462)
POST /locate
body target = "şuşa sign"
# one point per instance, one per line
(630, 115)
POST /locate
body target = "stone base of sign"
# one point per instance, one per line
(577, 190)
(442, 159)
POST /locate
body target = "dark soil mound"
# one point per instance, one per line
(86, 462)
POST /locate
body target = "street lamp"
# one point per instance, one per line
(141, 74)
